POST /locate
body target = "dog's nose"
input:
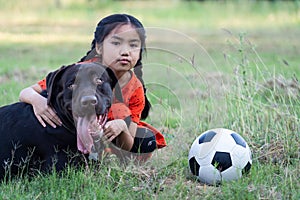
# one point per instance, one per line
(88, 101)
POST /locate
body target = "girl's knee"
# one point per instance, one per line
(144, 141)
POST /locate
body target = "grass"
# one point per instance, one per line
(230, 64)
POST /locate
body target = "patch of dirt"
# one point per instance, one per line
(283, 86)
(215, 85)
(275, 152)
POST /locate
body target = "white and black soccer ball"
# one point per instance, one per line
(219, 155)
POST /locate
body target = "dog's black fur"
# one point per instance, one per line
(26, 146)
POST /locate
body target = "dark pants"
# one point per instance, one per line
(144, 141)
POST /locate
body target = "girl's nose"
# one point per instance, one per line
(124, 51)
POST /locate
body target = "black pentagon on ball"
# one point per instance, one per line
(194, 166)
(207, 137)
(238, 139)
(247, 168)
(221, 161)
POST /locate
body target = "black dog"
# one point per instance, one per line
(79, 93)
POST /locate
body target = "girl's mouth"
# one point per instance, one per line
(124, 61)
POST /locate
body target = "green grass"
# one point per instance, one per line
(232, 64)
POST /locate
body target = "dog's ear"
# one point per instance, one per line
(115, 84)
(52, 82)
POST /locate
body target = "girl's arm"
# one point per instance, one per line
(118, 129)
(42, 111)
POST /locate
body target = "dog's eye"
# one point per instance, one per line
(72, 86)
(98, 81)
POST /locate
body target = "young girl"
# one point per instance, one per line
(119, 43)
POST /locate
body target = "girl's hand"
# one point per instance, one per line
(114, 128)
(42, 111)
(45, 113)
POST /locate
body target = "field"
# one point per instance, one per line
(231, 64)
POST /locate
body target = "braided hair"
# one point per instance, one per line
(104, 27)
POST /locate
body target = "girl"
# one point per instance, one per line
(119, 43)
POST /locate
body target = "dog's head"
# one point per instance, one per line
(81, 94)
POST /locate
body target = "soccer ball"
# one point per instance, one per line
(219, 155)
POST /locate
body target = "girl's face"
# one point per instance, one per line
(120, 49)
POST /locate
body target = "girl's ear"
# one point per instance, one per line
(98, 49)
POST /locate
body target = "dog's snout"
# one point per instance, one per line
(89, 101)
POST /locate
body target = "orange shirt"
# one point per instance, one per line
(133, 97)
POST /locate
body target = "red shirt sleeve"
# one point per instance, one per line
(42, 83)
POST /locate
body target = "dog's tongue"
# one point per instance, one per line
(84, 138)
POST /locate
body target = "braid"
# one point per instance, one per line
(139, 74)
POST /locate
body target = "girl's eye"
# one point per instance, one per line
(134, 45)
(115, 43)
(99, 81)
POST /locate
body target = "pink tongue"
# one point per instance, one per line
(84, 138)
